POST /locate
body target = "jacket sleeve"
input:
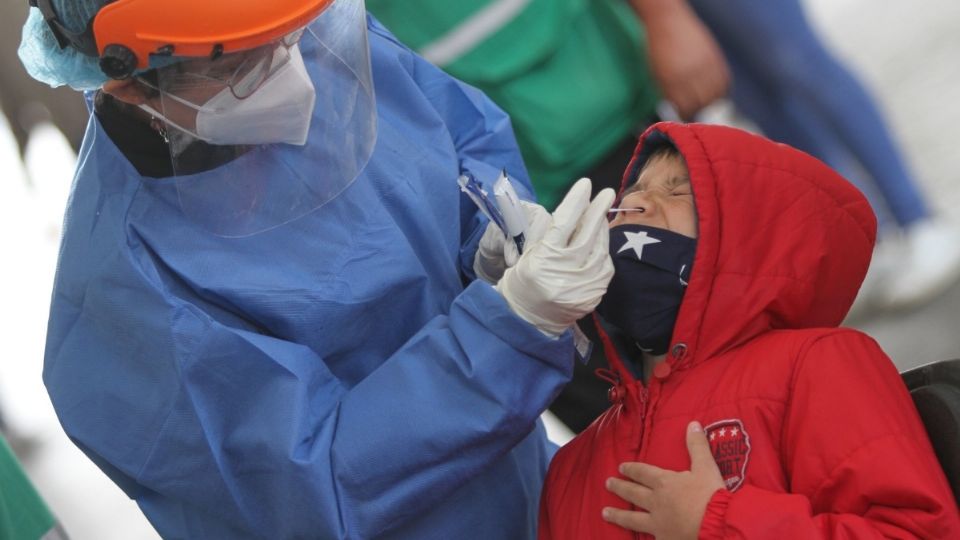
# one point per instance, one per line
(858, 462)
(201, 418)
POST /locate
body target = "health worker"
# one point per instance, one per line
(265, 321)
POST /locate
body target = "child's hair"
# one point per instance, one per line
(664, 149)
(661, 148)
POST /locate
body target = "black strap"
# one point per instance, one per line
(83, 41)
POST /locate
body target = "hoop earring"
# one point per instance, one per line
(160, 127)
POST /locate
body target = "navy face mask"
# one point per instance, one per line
(652, 267)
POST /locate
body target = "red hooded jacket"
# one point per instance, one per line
(810, 424)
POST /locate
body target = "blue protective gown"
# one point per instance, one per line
(330, 378)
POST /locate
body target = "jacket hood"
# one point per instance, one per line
(784, 241)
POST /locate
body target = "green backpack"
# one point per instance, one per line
(23, 514)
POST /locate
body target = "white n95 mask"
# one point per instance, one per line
(279, 111)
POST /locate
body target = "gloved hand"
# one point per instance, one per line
(497, 252)
(562, 278)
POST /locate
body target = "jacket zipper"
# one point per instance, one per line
(644, 396)
(678, 353)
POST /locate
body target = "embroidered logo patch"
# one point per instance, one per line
(730, 446)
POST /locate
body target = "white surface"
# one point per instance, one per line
(556, 430)
(88, 504)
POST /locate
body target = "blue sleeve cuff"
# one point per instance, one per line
(484, 303)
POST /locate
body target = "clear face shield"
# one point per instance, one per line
(261, 137)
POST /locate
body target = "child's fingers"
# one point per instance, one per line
(647, 475)
(631, 492)
(628, 519)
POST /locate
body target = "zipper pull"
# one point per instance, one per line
(615, 393)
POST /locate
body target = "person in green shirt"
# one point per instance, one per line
(23, 514)
(579, 79)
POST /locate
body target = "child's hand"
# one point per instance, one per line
(674, 501)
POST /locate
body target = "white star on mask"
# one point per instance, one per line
(636, 241)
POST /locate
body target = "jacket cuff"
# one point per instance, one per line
(715, 518)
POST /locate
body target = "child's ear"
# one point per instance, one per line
(127, 91)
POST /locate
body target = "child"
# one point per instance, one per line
(736, 260)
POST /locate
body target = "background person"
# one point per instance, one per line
(787, 82)
(264, 322)
(739, 404)
(25, 102)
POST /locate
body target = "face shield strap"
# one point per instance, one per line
(82, 41)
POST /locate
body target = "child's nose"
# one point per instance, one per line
(646, 200)
(636, 208)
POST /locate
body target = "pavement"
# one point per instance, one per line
(905, 52)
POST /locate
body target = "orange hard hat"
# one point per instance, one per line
(125, 33)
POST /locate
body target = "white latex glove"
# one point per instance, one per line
(497, 252)
(562, 278)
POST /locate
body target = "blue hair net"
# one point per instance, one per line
(47, 62)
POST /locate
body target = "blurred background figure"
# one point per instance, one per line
(788, 84)
(25, 102)
(20, 444)
(580, 79)
(23, 514)
(13, 190)
(33, 193)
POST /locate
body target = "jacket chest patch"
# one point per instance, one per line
(730, 445)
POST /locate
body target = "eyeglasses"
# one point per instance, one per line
(243, 72)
